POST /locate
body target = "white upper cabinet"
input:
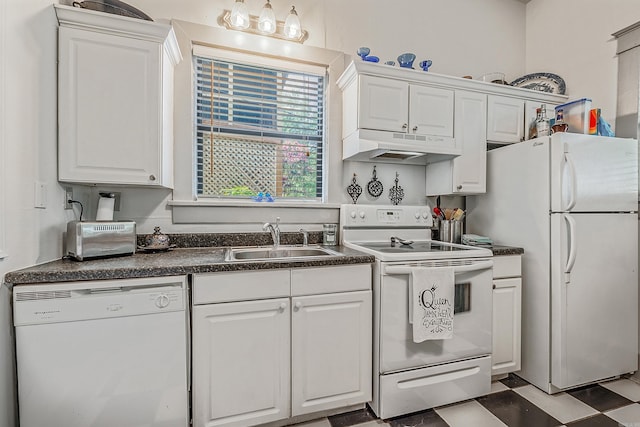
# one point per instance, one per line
(430, 111)
(401, 115)
(397, 106)
(505, 119)
(115, 99)
(465, 174)
(384, 104)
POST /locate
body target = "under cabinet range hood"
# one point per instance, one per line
(397, 147)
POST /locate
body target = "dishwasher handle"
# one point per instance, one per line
(407, 268)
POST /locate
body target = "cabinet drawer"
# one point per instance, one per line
(240, 286)
(507, 266)
(417, 389)
(325, 280)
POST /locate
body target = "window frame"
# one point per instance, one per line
(186, 207)
(252, 60)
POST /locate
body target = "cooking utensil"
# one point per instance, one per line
(375, 187)
(403, 242)
(354, 190)
(448, 213)
(458, 214)
(396, 193)
(438, 212)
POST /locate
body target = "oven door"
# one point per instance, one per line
(472, 322)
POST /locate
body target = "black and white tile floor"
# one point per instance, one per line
(515, 403)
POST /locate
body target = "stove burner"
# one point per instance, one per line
(414, 247)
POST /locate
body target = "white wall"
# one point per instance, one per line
(572, 38)
(28, 148)
(470, 43)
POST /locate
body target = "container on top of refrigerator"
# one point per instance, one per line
(576, 115)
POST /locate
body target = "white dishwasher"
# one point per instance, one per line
(102, 353)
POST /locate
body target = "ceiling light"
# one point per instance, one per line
(240, 15)
(267, 19)
(264, 25)
(292, 28)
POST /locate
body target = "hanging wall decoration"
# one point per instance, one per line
(354, 190)
(396, 193)
(374, 187)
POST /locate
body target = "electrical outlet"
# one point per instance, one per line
(68, 195)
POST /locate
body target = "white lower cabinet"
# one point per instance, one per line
(241, 362)
(330, 351)
(296, 351)
(507, 314)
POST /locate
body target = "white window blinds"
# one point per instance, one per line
(259, 129)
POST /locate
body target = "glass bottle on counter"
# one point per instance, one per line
(543, 127)
(533, 132)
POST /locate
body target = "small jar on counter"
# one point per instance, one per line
(329, 234)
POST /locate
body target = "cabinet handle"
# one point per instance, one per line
(494, 286)
(282, 307)
(459, 187)
(405, 126)
(297, 306)
(415, 128)
(152, 177)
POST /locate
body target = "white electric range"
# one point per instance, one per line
(409, 376)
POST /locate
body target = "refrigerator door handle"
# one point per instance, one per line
(572, 177)
(571, 259)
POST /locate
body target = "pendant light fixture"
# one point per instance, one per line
(267, 19)
(240, 15)
(292, 27)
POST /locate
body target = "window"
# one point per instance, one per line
(259, 128)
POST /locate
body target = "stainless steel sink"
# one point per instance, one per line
(281, 253)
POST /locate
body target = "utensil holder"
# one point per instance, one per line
(450, 231)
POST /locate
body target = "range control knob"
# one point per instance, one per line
(162, 301)
(425, 214)
(353, 214)
(417, 215)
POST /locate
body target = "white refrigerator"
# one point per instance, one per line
(571, 201)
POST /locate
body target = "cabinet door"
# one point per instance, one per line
(331, 351)
(430, 111)
(470, 169)
(241, 363)
(109, 108)
(383, 104)
(465, 174)
(506, 325)
(505, 119)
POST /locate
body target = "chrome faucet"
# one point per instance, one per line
(274, 230)
(305, 237)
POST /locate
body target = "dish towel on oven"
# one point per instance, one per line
(431, 297)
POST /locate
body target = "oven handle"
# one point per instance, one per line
(406, 269)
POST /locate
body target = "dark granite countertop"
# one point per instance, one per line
(196, 253)
(170, 263)
(506, 250)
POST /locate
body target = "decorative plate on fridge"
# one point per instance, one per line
(543, 82)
